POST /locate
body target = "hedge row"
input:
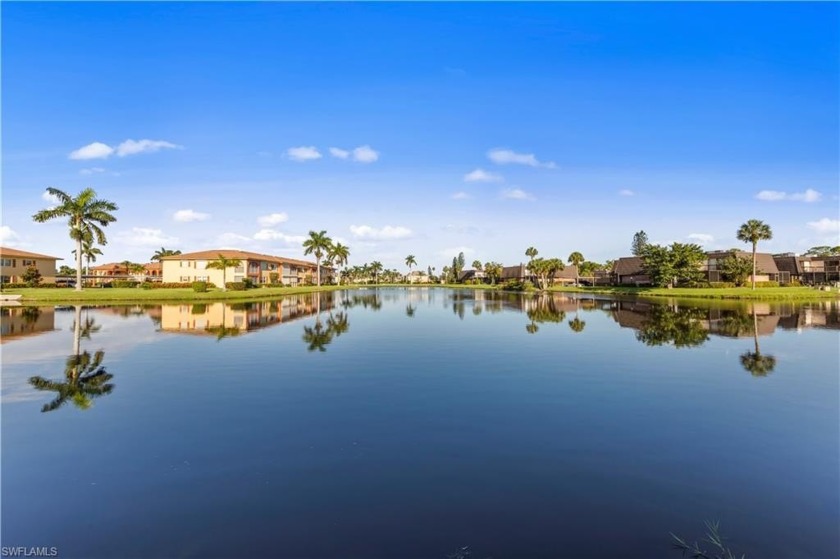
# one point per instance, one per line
(19, 285)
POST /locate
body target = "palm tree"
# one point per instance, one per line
(576, 259)
(751, 232)
(410, 261)
(222, 263)
(89, 252)
(338, 254)
(531, 253)
(375, 268)
(318, 244)
(86, 214)
(164, 252)
(757, 364)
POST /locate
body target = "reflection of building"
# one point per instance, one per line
(212, 318)
(728, 322)
(259, 268)
(19, 322)
(14, 263)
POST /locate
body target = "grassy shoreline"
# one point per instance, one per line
(135, 295)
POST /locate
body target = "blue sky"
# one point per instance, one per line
(212, 125)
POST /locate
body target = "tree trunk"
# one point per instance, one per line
(755, 329)
(753, 276)
(224, 281)
(79, 262)
(318, 269)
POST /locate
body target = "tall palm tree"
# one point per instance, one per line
(222, 263)
(375, 269)
(576, 259)
(531, 253)
(410, 261)
(318, 244)
(86, 215)
(89, 252)
(164, 252)
(338, 254)
(753, 231)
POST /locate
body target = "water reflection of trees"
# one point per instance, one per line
(371, 301)
(321, 334)
(85, 377)
(680, 327)
(543, 309)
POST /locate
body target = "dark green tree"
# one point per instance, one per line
(640, 241)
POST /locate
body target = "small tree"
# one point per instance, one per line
(576, 259)
(736, 268)
(658, 265)
(493, 270)
(31, 277)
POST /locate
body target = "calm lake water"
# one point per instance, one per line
(410, 423)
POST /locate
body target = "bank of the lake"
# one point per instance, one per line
(130, 295)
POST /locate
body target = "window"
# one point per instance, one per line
(5, 279)
(28, 262)
(7, 262)
(185, 279)
(202, 278)
(239, 270)
(237, 278)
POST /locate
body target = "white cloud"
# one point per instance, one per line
(232, 240)
(92, 171)
(626, 192)
(52, 199)
(505, 156)
(385, 233)
(96, 150)
(7, 235)
(365, 154)
(132, 147)
(455, 251)
(186, 216)
(825, 225)
(303, 153)
(340, 153)
(516, 194)
(480, 175)
(460, 196)
(810, 195)
(702, 238)
(272, 235)
(143, 236)
(271, 220)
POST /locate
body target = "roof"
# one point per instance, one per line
(764, 262)
(628, 266)
(152, 266)
(790, 264)
(514, 272)
(6, 251)
(237, 254)
(569, 272)
(109, 266)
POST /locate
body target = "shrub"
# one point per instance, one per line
(177, 285)
(19, 285)
(767, 284)
(274, 277)
(146, 285)
(124, 283)
(248, 283)
(235, 285)
(719, 284)
(199, 286)
(31, 277)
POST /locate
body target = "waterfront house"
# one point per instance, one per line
(259, 268)
(14, 263)
(811, 270)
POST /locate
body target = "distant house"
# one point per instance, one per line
(14, 263)
(567, 275)
(259, 268)
(515, 273)
(417, 276)
(471, 275)
(628, 270)
(109, 270)
(812, 270)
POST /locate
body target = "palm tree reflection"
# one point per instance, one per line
(85, 378)
(319, 336)
(757, 364)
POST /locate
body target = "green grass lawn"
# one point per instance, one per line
(123, 295)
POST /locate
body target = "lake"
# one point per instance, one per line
(414, 422)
